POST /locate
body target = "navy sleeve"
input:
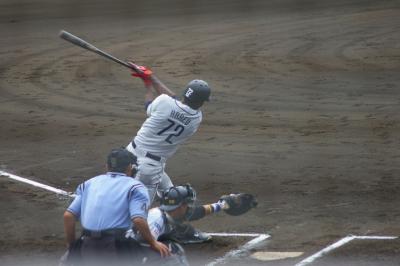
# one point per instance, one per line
(146, 104)
(195, 213)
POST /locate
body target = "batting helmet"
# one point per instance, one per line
(176, 196)
(197, 91)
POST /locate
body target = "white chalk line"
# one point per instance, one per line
(36, 184)
(242, 249)
(235, 234)
(338, 244)
(322, 252)
(252, 243)
(376, 237)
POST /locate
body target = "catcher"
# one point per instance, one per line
(177, 206)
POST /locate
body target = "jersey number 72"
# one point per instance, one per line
(177, 131)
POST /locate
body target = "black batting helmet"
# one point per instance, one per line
(197, 91)
(176, 196)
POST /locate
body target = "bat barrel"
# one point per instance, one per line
(84, 44)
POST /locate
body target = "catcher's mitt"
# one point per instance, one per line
(238, 204)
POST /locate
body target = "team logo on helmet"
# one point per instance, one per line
(197, 91)
(189, 92)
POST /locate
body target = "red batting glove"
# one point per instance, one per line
(143, 72)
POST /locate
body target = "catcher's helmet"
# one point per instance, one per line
(176, 196)
(197, 91)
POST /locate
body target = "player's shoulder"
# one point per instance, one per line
(164, 98)
(155, 215)
(155, 212)
(162, 101)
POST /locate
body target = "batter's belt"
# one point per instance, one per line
(148, 154)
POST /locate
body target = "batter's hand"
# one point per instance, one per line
(161, 248)
(141, 72)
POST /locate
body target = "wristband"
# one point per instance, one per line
(216, 207)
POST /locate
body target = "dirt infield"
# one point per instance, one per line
(359, 252)
(304, 113)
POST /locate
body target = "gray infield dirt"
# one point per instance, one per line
(304, 114)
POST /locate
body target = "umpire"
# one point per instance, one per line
(107, 206)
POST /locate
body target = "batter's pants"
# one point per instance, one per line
(151, 172)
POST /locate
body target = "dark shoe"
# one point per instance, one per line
(186, 234)
(196, 238)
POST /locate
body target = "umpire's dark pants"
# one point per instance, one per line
(108, 250)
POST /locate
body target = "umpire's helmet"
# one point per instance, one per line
(176, 196)
(196, 93)
(119, 159)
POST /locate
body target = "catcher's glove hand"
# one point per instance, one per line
(238, 204)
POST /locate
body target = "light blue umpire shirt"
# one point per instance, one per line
(110, 201)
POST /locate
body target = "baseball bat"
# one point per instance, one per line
(84, 44)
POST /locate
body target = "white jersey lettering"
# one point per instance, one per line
(181, 117)
(169, 124)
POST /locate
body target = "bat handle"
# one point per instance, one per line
(134, 67)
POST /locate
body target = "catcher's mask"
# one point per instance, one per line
(174, 197)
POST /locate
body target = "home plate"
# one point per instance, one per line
(267, 256)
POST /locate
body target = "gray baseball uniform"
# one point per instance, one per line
(169, 124)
